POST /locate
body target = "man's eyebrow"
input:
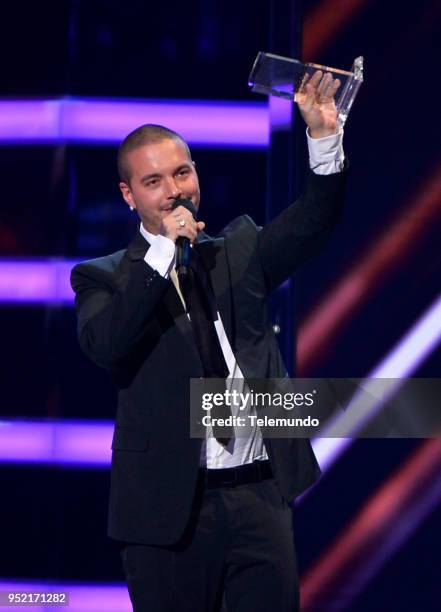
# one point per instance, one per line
(147, 177)
(182, 166)
(150, 176)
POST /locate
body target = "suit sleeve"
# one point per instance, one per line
(112, 317)
(301, 230)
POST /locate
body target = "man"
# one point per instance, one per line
(199, 519)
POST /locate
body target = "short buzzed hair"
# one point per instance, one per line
(144, 135)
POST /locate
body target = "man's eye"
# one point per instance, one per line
(152, 183)
(183, 171)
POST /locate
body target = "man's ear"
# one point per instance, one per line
(127, 194)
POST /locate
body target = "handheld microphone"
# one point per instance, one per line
(183, 249)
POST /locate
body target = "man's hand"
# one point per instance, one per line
(180, 223)
(316, 103)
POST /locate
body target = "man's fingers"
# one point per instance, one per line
(318, 88)
(190, 230)
(181, 224)
(320, 85)
(186, 226)
(308, 100)
(330, 89)
(316, 78)
(335, 86)
(323, 85)
(182, 213)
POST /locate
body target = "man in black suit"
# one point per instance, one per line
(200, 518)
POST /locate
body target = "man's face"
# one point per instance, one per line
(160, 172)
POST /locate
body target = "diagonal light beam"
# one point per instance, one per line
(389, 518)
(323, 23)
(401, 362)
(398, 241)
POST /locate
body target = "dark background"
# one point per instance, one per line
(63, 200)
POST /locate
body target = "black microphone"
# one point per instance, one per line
(183, 249)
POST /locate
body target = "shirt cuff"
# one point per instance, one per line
(326, 155)
(161, 255)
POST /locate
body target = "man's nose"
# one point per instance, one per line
(173, 190)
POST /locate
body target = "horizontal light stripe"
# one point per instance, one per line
(82, 597)
(40, 281)
(76, 443)
(36, 280)
(201, 123)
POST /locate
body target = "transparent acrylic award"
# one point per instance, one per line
(285, 77)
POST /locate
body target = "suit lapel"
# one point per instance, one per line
(138, 247)
(171, 301)
(214, 256)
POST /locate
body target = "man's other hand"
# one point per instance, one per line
(316, 103)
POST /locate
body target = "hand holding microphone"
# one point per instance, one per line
(182, 227)
(181, 222)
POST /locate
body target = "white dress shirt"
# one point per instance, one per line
(326, 156)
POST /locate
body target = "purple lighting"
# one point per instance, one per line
(38, 281)
(28, 121)
(35, 281)
(202, 123)
(82, 597)
(79, 443)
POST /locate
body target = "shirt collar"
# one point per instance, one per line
(147, 235)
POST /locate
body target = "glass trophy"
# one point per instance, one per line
(285, 77)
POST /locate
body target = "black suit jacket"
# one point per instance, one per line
(131, 320)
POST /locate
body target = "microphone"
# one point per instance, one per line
(183, 249)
